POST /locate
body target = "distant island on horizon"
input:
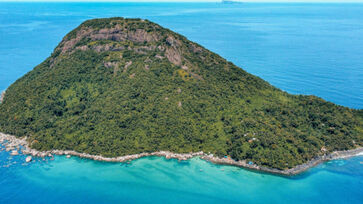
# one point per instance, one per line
(116, 87)
(231, 1)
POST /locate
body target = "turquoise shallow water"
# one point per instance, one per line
(158, 180)
(300, 48)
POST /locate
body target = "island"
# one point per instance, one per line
(117, 89)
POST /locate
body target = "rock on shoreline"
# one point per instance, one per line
(12, 143)
(288, 172)
(28, 159)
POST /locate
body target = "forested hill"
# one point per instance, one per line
(124, 86)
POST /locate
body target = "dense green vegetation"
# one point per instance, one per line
(123, 86)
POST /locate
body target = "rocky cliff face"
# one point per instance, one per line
(140, 36)
(144, 36)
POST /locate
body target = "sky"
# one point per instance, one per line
(313, 1)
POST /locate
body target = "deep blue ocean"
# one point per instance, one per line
(300, 48)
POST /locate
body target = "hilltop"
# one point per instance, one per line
(119, 86)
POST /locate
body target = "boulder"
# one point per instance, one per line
(28, 159)
(14, 153)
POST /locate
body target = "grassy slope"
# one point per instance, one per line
(75, 101)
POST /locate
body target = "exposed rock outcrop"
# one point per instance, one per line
(173, 49)
(2, 95)
(118, 33)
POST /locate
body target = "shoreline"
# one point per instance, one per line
(288, 172)
(14, 144)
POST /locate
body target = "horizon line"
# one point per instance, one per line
(185, 1)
